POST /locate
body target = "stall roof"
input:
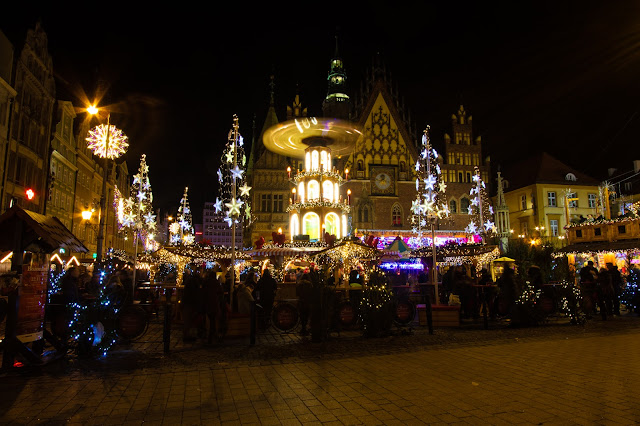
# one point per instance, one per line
(283, 251)
(600, 246)
(40, 233)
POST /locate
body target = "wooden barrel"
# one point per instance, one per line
(284, 317)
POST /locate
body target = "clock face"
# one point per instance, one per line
(383, 181)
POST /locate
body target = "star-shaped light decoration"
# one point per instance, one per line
(491, 209)
(149, 218)
(442, 186)
(128, 220)
(175, 239)
(229, 221)
(415, 206)
(189, 239)
(475, 201)
(229, 156)
(141, 196)
(418, 166)
(417, 184)
(174, 228)
(429, 182)
(218, 205)
(475, 178)
(236, 172)
(470, 209)
(424, 153)
(234, 206)
(136, 178)
(471, 228)
(147, 185)
(244, 190)
(219, 175)
(129, 202)
(240, 140)
(247, 212)
(488, 226)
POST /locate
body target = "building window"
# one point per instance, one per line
(363, 214)
(573, 203)
(396, 215)
(464, 205)
(266, 203)
(278, 203)
(451, 158)
(553, 225)
(551, 199)
(622, 229)
(453, 206)
(592, 201)
(468, 176)
(467, 159)
(628, 186)
(523, 202)
(452, 175)
(460, 177)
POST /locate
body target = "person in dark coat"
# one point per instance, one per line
(588, 283)
(508, 291)
(604, 293)
(304, 291)
(70, 286)
(616, 282)
(213, 296)
(267, 286)
(190, 303)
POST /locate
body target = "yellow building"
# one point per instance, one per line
(543, 195)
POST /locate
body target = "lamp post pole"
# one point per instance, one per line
(103, 200)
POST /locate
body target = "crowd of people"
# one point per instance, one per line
(601, 289)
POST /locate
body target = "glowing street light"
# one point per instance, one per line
(86, 214)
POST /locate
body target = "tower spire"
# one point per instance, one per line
(337, 103)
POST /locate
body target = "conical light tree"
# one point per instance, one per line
(182, 230)
(480, 209)
(234, 191)
(430, 204)
(136, 212)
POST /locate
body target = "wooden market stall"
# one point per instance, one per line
(35, 236)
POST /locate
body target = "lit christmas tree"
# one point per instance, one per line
(234, 192)
(480, 208)
(430, 203)
(136, 212)
(182, 230)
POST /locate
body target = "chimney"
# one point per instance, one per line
(611, 171)
(636, 166)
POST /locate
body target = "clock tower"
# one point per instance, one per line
(337, 103)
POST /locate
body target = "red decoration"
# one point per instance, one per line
(330, 239)
(278, 239)
(259, 242)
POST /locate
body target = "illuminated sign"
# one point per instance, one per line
(30, 194)
(402, 265)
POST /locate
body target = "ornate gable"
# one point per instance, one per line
(385, 139)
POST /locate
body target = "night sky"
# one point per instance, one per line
(536, 76)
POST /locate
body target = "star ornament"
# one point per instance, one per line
(429, 182)
(244, 190)
(141, 196)
(234, 207)
(149, 218)
(220, 175)
(236, 172)
(489, 226)
(229, 156)
(218, 205)
(415, 207)
(442, 186)
(471, 228)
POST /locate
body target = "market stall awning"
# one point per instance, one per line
(504, 259)
(283, 251)
(350, 248)
(397, 247)
(600, 246)
(40, 233)
(197, 254)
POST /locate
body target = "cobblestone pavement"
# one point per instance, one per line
(552, 374)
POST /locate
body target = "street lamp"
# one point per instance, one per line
(107, 142)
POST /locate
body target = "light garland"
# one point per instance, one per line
(316, 203)
(333, 175)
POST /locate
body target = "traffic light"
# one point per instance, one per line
(30, 194)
